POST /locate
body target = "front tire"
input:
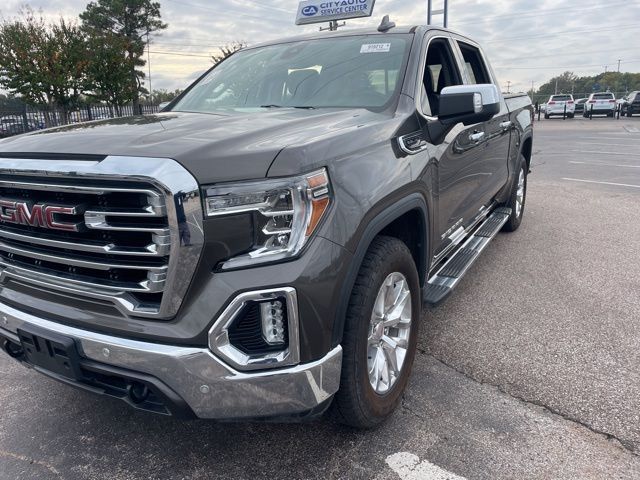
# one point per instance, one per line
(518, 197)
(381, 334)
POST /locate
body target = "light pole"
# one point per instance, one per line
(149, 63)
(619, 60)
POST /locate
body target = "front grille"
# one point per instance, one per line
(127, 232)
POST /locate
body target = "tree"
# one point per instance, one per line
(44, 64)
(108, 76)
(227, 51)
(160, 96)
(564, 83)
(130, 21)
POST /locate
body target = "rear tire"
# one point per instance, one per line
(368, 395)
(547, 116)
(571, 115)
(518, 197)
(629, 114)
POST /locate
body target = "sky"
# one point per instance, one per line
(525, 41)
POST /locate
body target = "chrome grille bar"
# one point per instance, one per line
(159, 248)
(97, 264)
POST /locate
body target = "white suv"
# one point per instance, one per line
(556, 106)
(600, 104)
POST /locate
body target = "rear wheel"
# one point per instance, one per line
(518, 198)
(380, 336)
(547, 116)
(571, 115)
(629, 114)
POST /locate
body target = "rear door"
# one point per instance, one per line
(603, 101)
(493, 165)
(560, 102)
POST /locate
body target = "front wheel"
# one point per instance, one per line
(380, 337)
(518, 197)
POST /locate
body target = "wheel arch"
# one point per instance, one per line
(527, 150)
(396, 221)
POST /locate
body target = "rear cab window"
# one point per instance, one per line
(603, 96)
(474, 64)
(561, 98)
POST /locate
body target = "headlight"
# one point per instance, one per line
(286, 213)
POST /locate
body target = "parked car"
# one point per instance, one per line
(560, 105)
(631, 104)
(15, 126)
(603, 103)
(265, 248)
(580, 105)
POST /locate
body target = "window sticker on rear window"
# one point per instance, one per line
(376, 48)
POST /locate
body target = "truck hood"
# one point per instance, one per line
(212, 147)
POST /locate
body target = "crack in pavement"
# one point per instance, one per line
(623, 445)
(30, 461)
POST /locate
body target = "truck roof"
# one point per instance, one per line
(356, 31)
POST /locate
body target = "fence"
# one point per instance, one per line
(27, 119)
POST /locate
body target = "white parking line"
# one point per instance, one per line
(610, 144)
(409, 467)
(605, 164)
(606, 153)
(602, 183)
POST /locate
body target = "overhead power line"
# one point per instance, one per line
(571, 32)
(542, 12)
(179, 54)
(550, 67)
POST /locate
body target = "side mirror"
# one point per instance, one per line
(468, 104)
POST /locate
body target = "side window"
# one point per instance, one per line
(440, 71)
(474, 64)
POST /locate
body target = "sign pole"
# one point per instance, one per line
(446, 13)
(429, 10)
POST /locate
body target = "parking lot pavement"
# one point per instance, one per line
(530, 369)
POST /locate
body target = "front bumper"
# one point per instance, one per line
(210, 388)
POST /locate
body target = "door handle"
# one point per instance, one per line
(476, 137)
(506, 125)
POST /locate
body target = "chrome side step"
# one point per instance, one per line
(442, 283)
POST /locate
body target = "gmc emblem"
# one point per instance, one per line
(43, 216)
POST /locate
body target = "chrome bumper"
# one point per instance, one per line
(210, 387)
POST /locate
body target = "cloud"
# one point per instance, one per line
(526, 42)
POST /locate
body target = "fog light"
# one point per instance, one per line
(272, 322)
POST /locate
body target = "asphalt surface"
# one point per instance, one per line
(530, 370)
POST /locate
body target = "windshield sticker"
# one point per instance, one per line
(376, 48)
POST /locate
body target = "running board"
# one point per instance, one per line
(440, 285)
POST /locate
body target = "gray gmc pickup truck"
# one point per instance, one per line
(264, 247)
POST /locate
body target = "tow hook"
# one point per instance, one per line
(14, 350)
(138, 392)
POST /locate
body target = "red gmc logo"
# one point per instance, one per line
(43, 216)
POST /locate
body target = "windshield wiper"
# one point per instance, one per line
(287, 106)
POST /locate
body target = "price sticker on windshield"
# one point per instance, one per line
(376, 48)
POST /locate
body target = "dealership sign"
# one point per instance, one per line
(314, 11)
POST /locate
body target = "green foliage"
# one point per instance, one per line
(44, 64)
(10, 103)
(568, 82)
(160, 96)
(123, 26)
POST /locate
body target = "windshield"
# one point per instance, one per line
(345, 72)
